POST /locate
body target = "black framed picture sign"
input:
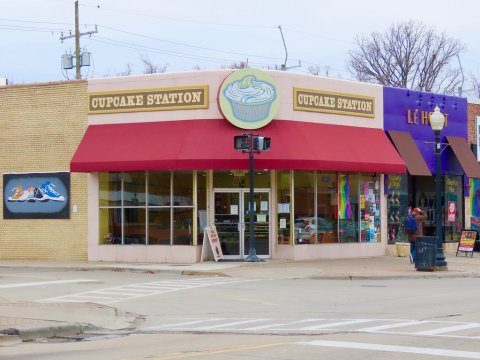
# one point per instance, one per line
(36, 195)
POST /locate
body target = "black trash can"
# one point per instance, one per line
(425, 252)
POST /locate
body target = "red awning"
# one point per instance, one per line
(208, 144)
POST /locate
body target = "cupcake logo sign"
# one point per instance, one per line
(248, 98)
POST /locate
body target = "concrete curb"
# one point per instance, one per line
(12, 335)
(395, 277)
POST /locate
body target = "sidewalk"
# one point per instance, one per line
(23, 322)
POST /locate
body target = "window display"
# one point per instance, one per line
(397, 207)
(370, 209)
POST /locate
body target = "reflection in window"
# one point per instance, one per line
(304, 195)
(110, 186)
(134, 189)
(327, 208)
(168, 222)
(182, 226)
(134, 226)
(159, 226)
(283, 206)
(110, 223)
(159, 188)
(201, 205)
(182, 188)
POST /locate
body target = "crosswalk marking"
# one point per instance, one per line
(275, 326)
(233, 324)
(392, 326)
(116, 294)
(339, 323)
(448, 329)
(444, 329)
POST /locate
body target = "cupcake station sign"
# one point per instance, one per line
(248, 98)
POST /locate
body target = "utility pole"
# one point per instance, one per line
(77, 44)
(78, 62)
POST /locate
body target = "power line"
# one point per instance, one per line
(189, 45)
(180, 20)
(166, 52)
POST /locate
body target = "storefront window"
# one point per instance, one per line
(134, 226)
(453, 205)
(110, 212)
(134, 189)
(159, 226)
(182, 189)
(110, 189)
(182, 226)
(348, 192)
(397, 207)
(241, 179)
(369, 208)
(283, 206)
(327, 208)
(159, 188)
(304, 205)
(201, 205)
(123, 214)
(110, 225)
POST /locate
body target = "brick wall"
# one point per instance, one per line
(41, 127)
(473, 111)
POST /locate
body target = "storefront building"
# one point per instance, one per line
(42, 124)
(161, 164)
(473, 221)
(407, 124)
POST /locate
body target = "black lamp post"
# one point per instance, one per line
(437, 120)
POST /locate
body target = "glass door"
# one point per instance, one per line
(232, 221)
(261, 225)
(227, 221)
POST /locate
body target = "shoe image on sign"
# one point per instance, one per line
(19, 195)
(35, 194)
(49, 192)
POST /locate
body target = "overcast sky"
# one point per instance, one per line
(209, 34)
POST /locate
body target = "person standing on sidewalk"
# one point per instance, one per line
(420, 217)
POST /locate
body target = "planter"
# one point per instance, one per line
(403, 249)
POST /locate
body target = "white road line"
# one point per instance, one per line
(40, 283)
(176, 325)
(393, 348)
(230, 324)
(447, 329)
(340, 323)
(393, 326)
(127, 292)
(273, 326)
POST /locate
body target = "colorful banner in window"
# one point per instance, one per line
(475, 204)
(36, 196)
(345, 210)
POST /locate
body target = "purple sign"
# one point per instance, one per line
(409, 111)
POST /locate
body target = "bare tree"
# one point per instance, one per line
(239, 65)
(475, 83)
(150, 67)
(128, 70)
(407, 55)
(320, 70)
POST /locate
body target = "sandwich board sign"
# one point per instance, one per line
(211, 248)
(467, 242)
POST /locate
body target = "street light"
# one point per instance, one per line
(437, 120)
